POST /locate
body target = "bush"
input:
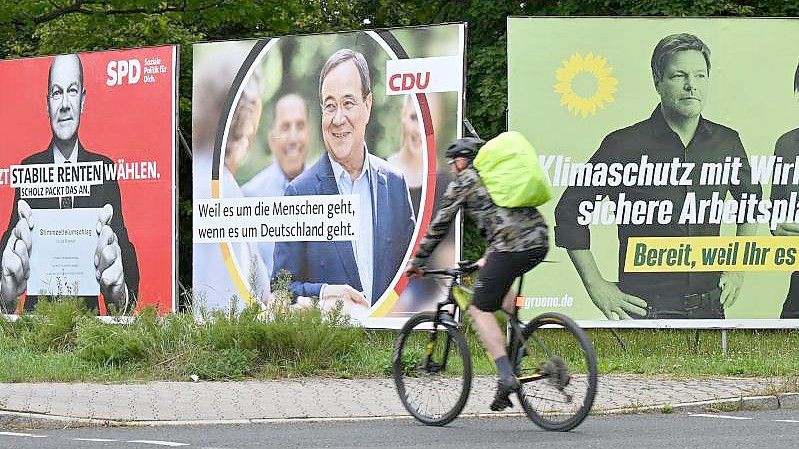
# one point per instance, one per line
(107, 344)
(6, 327)
(309, 338)
(225, 364)
(54, 324)
(299, 342)
(222, 345)
(235, 330)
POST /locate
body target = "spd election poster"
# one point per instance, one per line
(87, 180)
(675, 181)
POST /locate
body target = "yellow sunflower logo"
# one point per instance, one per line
(590, 70)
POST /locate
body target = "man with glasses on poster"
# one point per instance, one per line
(355, 272)
(676, 130)
(117, 270)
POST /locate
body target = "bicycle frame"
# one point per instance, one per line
(529, 349)
(444, 317)
(517, 345)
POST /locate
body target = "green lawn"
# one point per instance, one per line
(64, 343)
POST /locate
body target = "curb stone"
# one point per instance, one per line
(26, 420)
(789, 401)
(782, 401)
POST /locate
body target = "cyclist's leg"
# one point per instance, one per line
(533, 257)
(492, 346)
(491, 336)
(493, 340)
(494, 281)
(493, 285)
(509, 301)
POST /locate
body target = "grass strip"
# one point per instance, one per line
(63, 342)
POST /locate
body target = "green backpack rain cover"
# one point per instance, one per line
(509, 167)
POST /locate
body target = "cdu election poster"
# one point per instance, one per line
(87, 180)
(672, 147)
(318, 165)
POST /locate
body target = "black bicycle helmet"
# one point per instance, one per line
(465, 147)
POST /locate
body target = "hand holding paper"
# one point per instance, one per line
(108, 260)
(16, 255)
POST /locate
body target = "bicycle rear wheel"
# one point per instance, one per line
(432, 369)
(558, 371)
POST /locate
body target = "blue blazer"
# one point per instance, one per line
(315, 263)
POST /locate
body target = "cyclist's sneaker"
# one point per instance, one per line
(502, 398)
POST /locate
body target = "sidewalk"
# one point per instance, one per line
(55, 404)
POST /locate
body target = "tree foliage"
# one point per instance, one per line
(41, 27)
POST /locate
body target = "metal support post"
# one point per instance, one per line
(724, 337)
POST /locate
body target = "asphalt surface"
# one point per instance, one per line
(772, 429)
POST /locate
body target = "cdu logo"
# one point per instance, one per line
(403, 82)
(424, 75)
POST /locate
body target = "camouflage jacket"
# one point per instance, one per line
(505, 229)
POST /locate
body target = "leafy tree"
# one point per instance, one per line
(38, 27)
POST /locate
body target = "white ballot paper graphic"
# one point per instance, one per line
(63, 242)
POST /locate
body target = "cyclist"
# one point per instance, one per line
(517, 241)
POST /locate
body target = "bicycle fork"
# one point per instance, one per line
(430, 365)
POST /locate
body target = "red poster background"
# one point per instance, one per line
(134, 122)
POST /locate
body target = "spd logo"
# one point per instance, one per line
(124, 71)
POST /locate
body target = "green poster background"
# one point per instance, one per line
(753, 62)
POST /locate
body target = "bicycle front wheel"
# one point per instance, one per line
(558, 371)
(432, 369)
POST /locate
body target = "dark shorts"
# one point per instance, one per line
(498, 274)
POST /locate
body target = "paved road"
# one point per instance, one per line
(729, 430)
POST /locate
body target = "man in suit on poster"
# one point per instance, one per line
(356, 272)
(117, 270)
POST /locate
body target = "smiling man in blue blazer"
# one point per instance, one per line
(356, 272)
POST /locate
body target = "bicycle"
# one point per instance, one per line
(431, 355)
